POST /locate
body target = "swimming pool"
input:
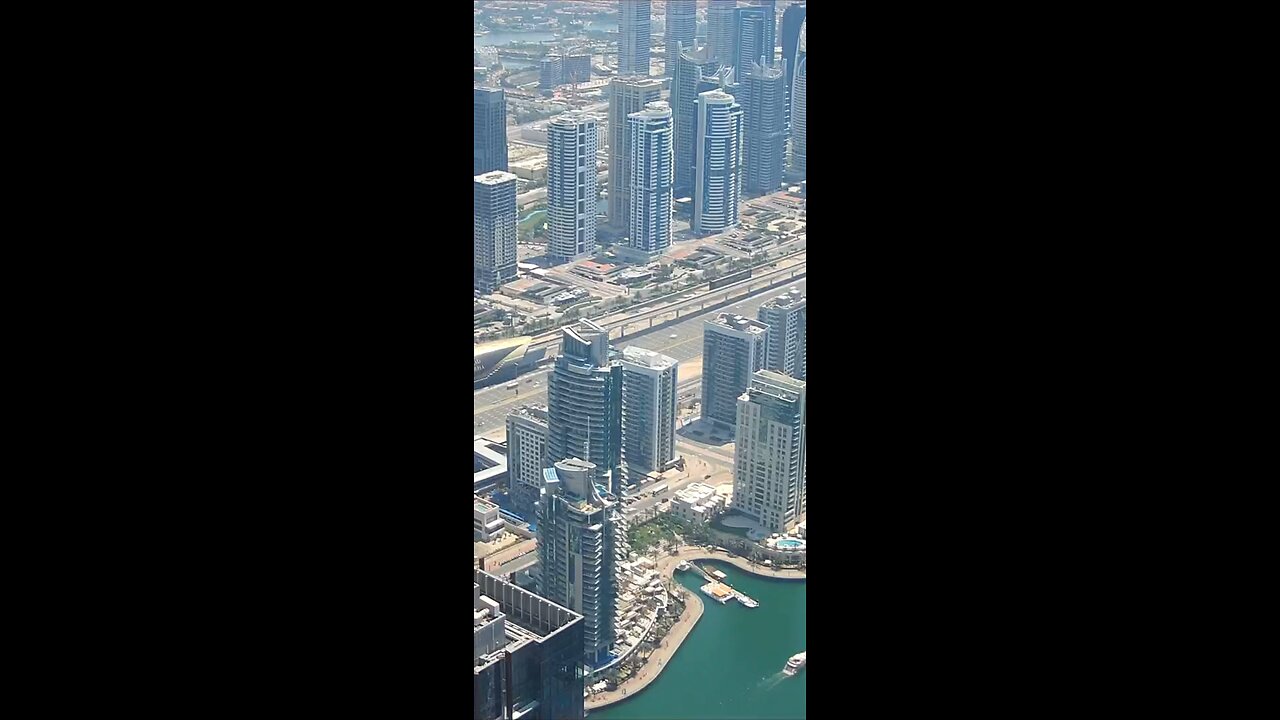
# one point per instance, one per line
(791, 544)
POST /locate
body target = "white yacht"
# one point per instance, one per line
(796, 663)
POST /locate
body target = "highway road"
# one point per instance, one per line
(682, 341)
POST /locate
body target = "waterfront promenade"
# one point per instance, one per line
(693, 612)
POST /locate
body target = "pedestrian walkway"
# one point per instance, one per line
(693, 612)
(657, 661)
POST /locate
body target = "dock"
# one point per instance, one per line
(719, 592)
(717, 588)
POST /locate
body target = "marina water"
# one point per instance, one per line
(730, 666)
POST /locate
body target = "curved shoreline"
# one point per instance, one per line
(757, 569)
(680, 631)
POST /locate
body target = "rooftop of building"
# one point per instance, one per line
(526, 617)
(482, 348)
(655, 110)
(496, 177)
(489, 450)
(719, 97)
(531, 163)
(790, 298)
(636, 81)
(583, 330)
(573, 118)
(535, 411)
(741, 323)
(523, 284)
(647, 358)
(596, 266)
(774, 384)
(481, 505)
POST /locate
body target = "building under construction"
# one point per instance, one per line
(565, 68)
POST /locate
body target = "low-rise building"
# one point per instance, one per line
(702, 257)
(592, 270)
(489, 465)
(486, 523)
(532, 169)
(633, 276)
(527, 454)
(697, 504)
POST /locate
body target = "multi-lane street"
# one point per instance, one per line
(682, 341)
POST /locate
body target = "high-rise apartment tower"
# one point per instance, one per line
(493, 230)
(626, 96)
(718, 181)
(572, 186)
(769, 453)
(488, 130)
(649, 229)
(733, 347)
(648, 412)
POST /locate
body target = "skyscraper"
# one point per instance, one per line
(799, 130)
(488, 130)
(576, 552)
(526, 456)
(577, 67)
(626, 96)
(680, 31)
(718, 180)
(563, 69)
(584, 399)
(733, 347)
(763, 91)
(690, 69)
(769, 454)
(572, 186)
(648, 412)
(755, 30)
(786, 315)
(792, 19)
(493, 230)
(550, 73)
(651, 178)
(527, 656)
(722, 41)
(633, 37)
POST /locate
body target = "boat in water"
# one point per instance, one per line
(718, 592)
(796, 663)
(747, 602)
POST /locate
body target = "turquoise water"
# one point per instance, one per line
(730, 666)
(790, 544)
